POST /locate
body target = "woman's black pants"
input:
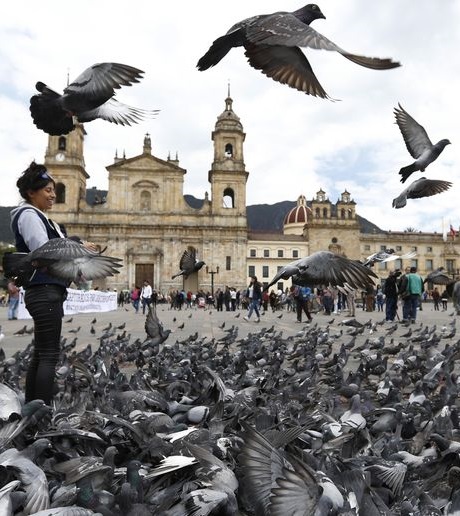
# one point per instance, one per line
(45, 305)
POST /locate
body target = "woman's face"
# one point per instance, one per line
(44, 198)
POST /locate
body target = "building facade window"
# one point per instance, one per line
(414, 263)
(251, 270)
(266, 253)
(295, 253)
(280, 253)
(429, 265)
(60, 193)
(228, 199)
(367, 247)
(450, 266)
(62, 143)
(265, 271)
(252, 253)
(429, 249)
(398, 248)
(228, 263)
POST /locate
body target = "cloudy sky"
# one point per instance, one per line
(295, 143)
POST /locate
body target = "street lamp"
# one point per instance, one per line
(208, 271)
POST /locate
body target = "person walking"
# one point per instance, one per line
(146, 296)
(444, 299)
(411, 288)
(390, 290)
(302, 297)
(436, 298)
(44, 294)
(13, 300)
(254, 293)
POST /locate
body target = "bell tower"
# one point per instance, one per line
(65, 161)
(228, 175)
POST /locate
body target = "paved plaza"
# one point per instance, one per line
(208, 323)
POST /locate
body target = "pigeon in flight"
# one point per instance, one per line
(62, 258)
(272, 41)
(388, 255)
(326, 268)
(188, 264)
(154, 328)
(418, 144)
(439, 277)
(88, 97)
(422, 187)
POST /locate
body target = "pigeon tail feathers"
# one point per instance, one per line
(405, 172)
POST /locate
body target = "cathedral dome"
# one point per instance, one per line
(299, 214)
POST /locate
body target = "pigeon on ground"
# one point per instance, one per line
(422, 187)
(272, 41)
(418, 144)
(90, 96)
(326, 268)
(62, 258)
(188, 264)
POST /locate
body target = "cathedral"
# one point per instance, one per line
(145, 220)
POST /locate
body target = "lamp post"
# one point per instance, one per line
(210, 271)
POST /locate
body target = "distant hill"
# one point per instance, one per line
(261, 217)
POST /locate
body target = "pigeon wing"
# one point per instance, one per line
(187, 261)
(101, 79)
(328, 268)
(117, 113)
(415, 136)
(286, 65)
(424, 187)
(153, 325)
(287, 30)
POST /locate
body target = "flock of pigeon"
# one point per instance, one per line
(355, 419)
(348, 418)
(272, 44)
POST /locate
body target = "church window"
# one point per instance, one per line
(62, 142)
(229, 198)
(228, 263)
(350, 214)
(146, 201)
(342, 213)
(60, 193)
(228, 150)
(325, 213)
(317, 213)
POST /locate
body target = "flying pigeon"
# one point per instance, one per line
(388, 255)
(188, 264)
(89, 96)
(422, 187)
(154, 328)
(418, 144)
(62, 258)
(272, 41)
(326, 268)
(439, 277)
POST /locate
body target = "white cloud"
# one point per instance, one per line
(295, 143)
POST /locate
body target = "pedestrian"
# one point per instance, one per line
(411, 291)
(135, 295)
(254, 294)
(444, 298)
(390, 290)
(146, 296)
(44, 294)
(13, 300)
(436, 298)
(370, 298)
(380, 298)
(302, 297)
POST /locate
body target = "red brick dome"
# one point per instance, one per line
(300, 214)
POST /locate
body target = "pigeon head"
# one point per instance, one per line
(444, 142)
(308, 13)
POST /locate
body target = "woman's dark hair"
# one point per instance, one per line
(35, 177)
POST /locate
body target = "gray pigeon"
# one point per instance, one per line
(326, 268)
(422, 187)
(154, 328)
(272, 41)
(62, 258)
(89, 97)
(188, 264)
(418, 144)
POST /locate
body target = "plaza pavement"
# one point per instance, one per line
(206, 322)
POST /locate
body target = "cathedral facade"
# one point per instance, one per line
(145, 220)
